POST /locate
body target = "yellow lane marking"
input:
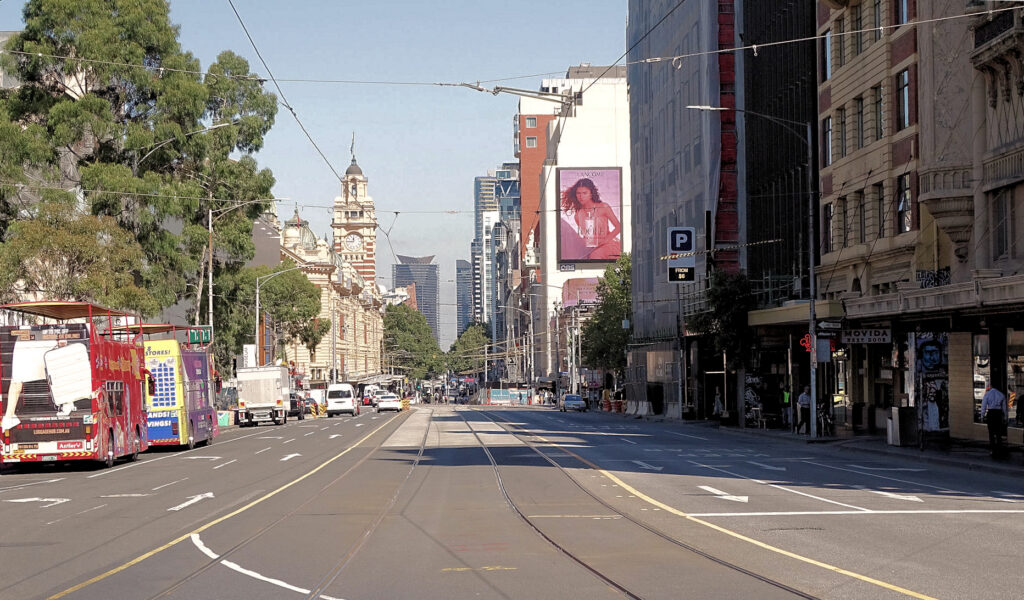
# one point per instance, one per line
(737, 535)
(202, 528)
(465, 569)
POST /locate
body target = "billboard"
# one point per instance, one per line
(581, 290)
(589, 214)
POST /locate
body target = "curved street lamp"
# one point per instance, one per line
(259, 281)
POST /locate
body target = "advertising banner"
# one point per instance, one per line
(590, 213)
(582, 290)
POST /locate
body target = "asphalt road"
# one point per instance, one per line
(460, 502)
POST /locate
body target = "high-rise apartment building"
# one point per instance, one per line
(463, 295)
(423, 272)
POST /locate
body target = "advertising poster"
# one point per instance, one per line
(581, 290)
(589, 214)
(932, 366)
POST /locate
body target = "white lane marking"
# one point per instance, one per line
(25, 485)
(867, 468)
(764, 466)
(200, 458)
(780, 487)
(239, 569)
(696, 437)
(335, 435)
(271, 437)
(288, 441)
(263, 450)
(226, 464)
(323, 429)
(644, 465)
(51, 501)
(125, 496)
(191, 500)
(804, 513)
(723, 495)
(310, 433)
(889, 494)
(153, 460)
(77, 513)
(308, 426)
(289, 457)
(1007, 496)
(627, 441)
(896, 479)
(361, 424)
(171, 483)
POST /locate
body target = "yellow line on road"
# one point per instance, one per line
(202, 528)
(740, 536)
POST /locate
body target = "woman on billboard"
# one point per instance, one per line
(596, 223)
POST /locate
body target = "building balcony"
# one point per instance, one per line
(981, 292)
(998, 40)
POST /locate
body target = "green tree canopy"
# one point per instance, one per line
(467, 353)
(409, 342)
(604, 339)
(729, 299)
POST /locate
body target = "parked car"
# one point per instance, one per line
(572, 402)
(296, 406)
(310, 403)
(388, 402)
(341, 398)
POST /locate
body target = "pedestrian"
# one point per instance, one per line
(994, 411)
(804, 401)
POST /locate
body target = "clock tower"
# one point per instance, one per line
(355, 224)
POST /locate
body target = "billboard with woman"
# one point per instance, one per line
(590, 212)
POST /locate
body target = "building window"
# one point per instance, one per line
(876, 95)
(857, 24)
(826, 55)
(844, 220)
(902, 100)
(904, 214)
(531, 142)
(826, 141)
(841, 121)
(1002, 220)
(876, 19)
(902, 12)
(881, 207)
(862, 220)
(858, 122)
(531, 122)
(827, 229)
(840, 29)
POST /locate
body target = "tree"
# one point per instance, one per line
(409, 342)
(467, 353)
(112, 109)
(604, 339)
(729, 299)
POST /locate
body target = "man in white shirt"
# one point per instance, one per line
(804, 401)
(994, 411)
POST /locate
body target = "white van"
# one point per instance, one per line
(341, 398)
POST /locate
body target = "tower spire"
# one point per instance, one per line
(352, 149)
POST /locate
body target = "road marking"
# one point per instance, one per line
(25, 485)
(324, 428)
(125, 496)
(335, 435)
(226, 464)
(308, 426)
(192, 500)
(889, 494)
(780, 487)
(723, 495)
(739, 536)
(153, 460)
(289, 457)
(627, 441)
(475, 569)
(804, 513)
(52, 501)
(171, 483)
(310, 433)
(764, 466)
(644, 465)
(77, 513)
(288, 441)
(696, 437)
(866, 468)
(597, 517)
(200, 458)
(361, 424)
(263, 450)
(271, 437)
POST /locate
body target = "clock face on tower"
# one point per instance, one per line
(353, 242)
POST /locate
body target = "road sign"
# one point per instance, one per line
(681, 241)
(833, 325)
(202, 334)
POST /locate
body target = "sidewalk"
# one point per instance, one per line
(964, 454)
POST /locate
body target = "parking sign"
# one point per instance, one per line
(681, 241)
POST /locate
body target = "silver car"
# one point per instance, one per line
(572, 402)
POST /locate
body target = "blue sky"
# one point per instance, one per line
(420, 147)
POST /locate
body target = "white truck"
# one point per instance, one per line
(263, 395)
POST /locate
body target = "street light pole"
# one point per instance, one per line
(259, 281)
(808, 139)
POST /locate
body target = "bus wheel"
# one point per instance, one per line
(191, 435)
(108, 461)
(135, 449)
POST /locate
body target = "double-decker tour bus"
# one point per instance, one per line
(71, 390)
(181, 403)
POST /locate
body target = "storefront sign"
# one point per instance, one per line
(876, 335)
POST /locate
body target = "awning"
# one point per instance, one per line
(64, 310)
(797, 313)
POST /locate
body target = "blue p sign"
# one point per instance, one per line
(681, 240)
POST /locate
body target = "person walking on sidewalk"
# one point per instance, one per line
(994, 411)
(804, 401)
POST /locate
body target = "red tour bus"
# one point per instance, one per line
(71, 391)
